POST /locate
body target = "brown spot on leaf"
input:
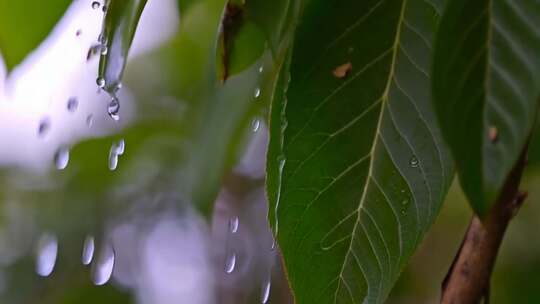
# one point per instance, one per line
(233, 18)
(493, 134)
(342, 70)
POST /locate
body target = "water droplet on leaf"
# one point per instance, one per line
(46, 254)
(88, 250)
(255, 125)
(230, 263)
(89, 120)
(114, 108)
(95, 5)
(257, 93)
(104, 266)
(104, 50)
(44, 126)
(413, 162)
(100, 82)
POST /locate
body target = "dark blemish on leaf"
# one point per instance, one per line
(493, 134)
(233, 18)
(342, 70)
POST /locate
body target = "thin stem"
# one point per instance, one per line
(468, 279)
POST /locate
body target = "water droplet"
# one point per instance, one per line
(78, 32)
(405, 202)
(104, 50)
(100, 82)
(265, 292)
(257, 93)
(233, 224)
(104, 266)
(230, 263)
(102, 39)
(44, 126)
(89, 120)
(261, 69)
(114, 108)
(88, 250)
(403, 211)
(72, 104)
(255, 125)
(95, 5)
(113, 158)
(120, 147)
(273, 247)
(104, 8)
(61, 158)
(413, 162)
(46, 254)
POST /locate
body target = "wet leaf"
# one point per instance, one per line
(357, 168)
(120, 24)
(25, 24)
(486, 88)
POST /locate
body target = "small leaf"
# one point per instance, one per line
(247, 28)
(486, 88)
(121, 19)
(357, 170)
(25, 24)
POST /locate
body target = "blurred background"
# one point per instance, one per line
(94, 210)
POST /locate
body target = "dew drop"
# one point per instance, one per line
(233, 224)
(102, 39)
(104, 50)
(100, 82)
(114, 108)
(413, 162)
(405, 202)
(255, 125)
(230, 263)
(104, 266)
(95, 5)
(89, 120)
(257, 93)
(46, 254)
(403, 211)
(265, 292)
(72, 104)
(61, 158)
(44, 126)
(261, 69)
(88, 250)
(104, 8)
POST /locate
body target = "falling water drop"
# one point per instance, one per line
(233, 224)
(89, 120)
(413, 162)
(265, 292)
(95, 5)
(255, 125)
(61, 158)
(88, 250)
(46, 254)
(114, 108)
(230, 263)
(44, 126)
(257, 93)
(100, 82)
(72, 104)
(104, 266)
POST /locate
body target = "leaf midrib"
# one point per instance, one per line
(374, 145)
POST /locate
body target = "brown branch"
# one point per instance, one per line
(468, 279)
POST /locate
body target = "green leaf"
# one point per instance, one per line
(357, 167)
(486, 87)
(121, 19)
(24, 24)
(247, 28)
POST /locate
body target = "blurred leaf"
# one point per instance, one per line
(361, 168)
(486, 88)
(25, 24)
(247, 28)
(121, 19)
